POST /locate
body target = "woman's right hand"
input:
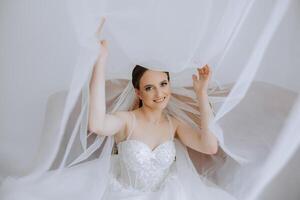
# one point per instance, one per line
(103, 51)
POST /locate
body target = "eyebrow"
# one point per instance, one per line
(152, 85)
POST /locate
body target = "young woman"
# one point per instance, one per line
(145, 136)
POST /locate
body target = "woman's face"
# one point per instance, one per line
(154, 89)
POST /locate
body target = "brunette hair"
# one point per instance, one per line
(137, 74)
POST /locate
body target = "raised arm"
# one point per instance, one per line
(204, 140)
(99, 122)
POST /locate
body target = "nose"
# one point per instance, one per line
(159, 93)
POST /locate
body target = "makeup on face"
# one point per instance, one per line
(156, 89)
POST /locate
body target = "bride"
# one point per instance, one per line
(145, 136)
(152, 161)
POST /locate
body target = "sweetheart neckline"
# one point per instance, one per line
(143, 143)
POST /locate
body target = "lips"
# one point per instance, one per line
(159, 100)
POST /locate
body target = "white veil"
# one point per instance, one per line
(256, 109)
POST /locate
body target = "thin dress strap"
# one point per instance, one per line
(171, 126)
(133, 122)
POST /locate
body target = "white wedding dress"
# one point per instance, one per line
(135, 173)
(143, 173)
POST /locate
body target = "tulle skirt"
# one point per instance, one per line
(86, 182)
(172, 188)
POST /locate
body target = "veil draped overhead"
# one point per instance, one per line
(256, 109)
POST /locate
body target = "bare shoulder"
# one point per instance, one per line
(122, 114)
(175, 122)
(179, 124)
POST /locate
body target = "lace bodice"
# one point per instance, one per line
(143, 168)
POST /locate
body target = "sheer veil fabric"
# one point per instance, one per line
(256, 108)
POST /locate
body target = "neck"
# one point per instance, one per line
(152, 115)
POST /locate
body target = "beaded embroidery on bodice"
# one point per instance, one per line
(143, 168)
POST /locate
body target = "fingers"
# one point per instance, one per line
(100, 26)
(103, 48)
(205, 70)
(103, 43)
(103, 20)
(195, 78)
(201, 71)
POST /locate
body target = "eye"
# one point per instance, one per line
(148, 88)
(164, 84)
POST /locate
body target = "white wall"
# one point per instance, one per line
(282, 56)
(36, 38)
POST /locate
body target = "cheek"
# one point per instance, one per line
(147, 96)
(167, 90)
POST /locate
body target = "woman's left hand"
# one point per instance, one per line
(200, 82)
